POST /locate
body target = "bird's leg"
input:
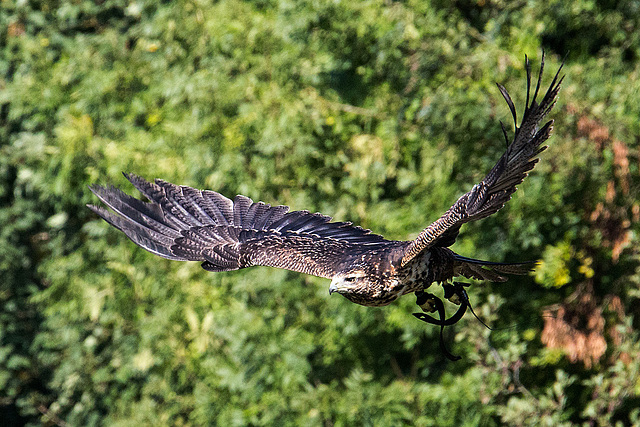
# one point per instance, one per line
(431, 303)
(457, 294)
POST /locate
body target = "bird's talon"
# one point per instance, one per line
(450, 293)
(427, 302)
(431, 302)
(460, 291)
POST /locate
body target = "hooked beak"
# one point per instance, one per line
(333, 288)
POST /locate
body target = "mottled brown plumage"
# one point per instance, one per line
(185, 224)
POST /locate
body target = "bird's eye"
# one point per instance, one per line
(349, 279)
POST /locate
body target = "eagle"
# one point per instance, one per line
(185, 224)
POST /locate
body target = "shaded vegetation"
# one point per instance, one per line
(377, 112)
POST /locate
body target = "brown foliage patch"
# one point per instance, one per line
(588, 127)
(621, 160)
(614, 224)
(577, 329)
(616, 307)
(15, 29)
(612, 220)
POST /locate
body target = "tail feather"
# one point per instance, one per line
(487, 270)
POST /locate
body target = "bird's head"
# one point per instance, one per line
(362, 288)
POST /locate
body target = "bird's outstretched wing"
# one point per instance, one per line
(182, 223)
(496, 188)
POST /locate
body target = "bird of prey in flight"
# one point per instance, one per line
(185, 224)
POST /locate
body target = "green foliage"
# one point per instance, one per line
(553, 269)
(381, 113)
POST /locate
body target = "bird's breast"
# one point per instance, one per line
(416, 275)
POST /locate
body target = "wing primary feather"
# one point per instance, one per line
(153, 242)
(527, 66)
(535, 95)
(195, 200)
(134, 210)
(241, 205)
(218, 207)
(512, 107)
(183, 223)
(504, 132)
(496, 189)
(177, 204)
(287, 219)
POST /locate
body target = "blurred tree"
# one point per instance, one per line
(378, 112)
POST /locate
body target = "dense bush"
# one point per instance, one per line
(378, 112)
